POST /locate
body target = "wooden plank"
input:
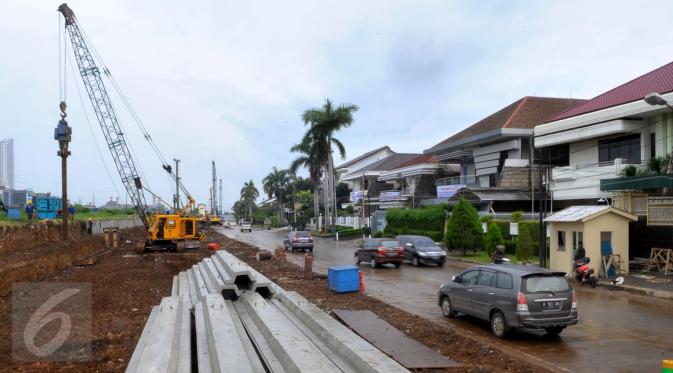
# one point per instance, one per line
(406, 351)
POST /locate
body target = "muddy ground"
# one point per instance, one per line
(475, 357)
(126, 286)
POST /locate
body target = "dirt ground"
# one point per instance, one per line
(475, 356)
(125, 287)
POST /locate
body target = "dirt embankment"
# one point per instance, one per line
(475, 357)
(125, 287)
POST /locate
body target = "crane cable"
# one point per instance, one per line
(133, 113)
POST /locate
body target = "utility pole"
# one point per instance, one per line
(176, 198)
(63, 134)
(543, 238)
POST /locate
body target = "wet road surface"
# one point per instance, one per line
(617, 332)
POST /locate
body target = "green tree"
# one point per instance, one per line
(343, 192)
(517, 216)
(249, 194)
(238, 209)
(276, 185)
(464, 230)
(311, 156)
(324, 123)
(524, 244)
(493, 238)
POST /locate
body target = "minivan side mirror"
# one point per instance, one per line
(455, 279)
(409, 244)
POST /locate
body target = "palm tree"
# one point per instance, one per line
(325, 122)
(310, 158)
(275, 185)
(249, 194)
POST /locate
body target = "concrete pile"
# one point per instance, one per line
(223, 316)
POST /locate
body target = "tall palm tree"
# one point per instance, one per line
(249, 194)
(325, 122)
(310, 158)
(275, 185)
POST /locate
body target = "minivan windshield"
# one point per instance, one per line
(535, 284)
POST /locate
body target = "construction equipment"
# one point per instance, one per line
(172, 231)
(214, 217)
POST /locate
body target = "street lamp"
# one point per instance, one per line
(63, 134)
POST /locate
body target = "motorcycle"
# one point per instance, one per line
(584, 274)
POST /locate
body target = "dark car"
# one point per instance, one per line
(299, 240)
(512, 296)
(420, 250)
(378, 251)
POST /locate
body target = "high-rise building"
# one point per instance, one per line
(7, 163)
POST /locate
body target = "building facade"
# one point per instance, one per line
(7, 163)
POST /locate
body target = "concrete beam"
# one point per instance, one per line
(215, 282)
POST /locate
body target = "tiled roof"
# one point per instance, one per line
(363, 156)
(659, 80)
(389, 163)
(527, 112)
(423, 158)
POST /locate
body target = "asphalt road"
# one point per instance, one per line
(617, 332)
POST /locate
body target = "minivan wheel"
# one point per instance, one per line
(447, 308)
(498, 324)
(373, 263)
(415, 261)
(554, 330)
(357, 260)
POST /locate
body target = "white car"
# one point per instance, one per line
(246, 226)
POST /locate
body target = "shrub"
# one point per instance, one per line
(629, 171)
(493, 238)
(485, 218)
(403, 221)
(517, 216)
(378, 234)
(464, 230)
(524, 245)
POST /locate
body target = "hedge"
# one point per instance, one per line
(426, 219)
(533, 228)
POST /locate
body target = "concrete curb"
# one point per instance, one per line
(663, 294)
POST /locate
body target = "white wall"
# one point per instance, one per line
(583, 153)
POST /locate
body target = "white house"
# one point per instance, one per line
(606, 133)
(361, 161)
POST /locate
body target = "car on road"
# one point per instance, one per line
(421, 250)
(296, 240)
(377, 251)
(511, 297)
(246, 226)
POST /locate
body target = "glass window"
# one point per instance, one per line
(302, 234)
(653, 145)
(423, 242)
(390, 244)
(625, 147)
(577, 238)
(469, 277)
(535, 284)
(503, 281)
(485, 278)
(561, 243)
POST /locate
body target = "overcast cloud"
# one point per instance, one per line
(227, 81)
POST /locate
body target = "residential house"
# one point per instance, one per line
(482, 149)
(605, 134)
(362, 161)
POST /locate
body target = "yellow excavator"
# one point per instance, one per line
(176, 230)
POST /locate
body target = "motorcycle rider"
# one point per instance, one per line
(580, 253)
(498, 254)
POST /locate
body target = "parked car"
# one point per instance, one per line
(420, 250)
(378, 251)
(512, 296)
(246, 226)
(299, 240)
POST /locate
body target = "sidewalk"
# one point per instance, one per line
(651, 284)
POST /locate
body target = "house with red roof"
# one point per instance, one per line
(606, 134)
(494, 153)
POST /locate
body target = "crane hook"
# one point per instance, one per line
(63, 107)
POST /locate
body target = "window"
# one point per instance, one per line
(653, 145)
(469, 277)
(561, 243)
(485, 278)
(535, 284)
(503, 281)
(625, 147)
(577, 238)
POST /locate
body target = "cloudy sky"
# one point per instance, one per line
(228, 80)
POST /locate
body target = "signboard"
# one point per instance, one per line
(513, 229)
(391, 195)
(356, 196)
(447, 191)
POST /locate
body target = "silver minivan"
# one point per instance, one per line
(511, 296)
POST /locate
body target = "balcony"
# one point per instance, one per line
(657, 209)
(469, 180)
(583, 182)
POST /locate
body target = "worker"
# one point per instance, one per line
(71, 213)
(89, 227)
(29, 211)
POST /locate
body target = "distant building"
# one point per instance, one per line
(7, 163)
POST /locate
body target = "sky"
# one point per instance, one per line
(227, 81)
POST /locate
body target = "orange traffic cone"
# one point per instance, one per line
(362, 283)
